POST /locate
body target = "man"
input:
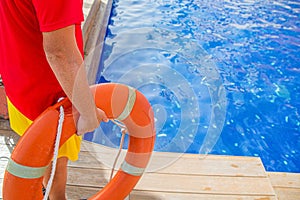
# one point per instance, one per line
(41, 61)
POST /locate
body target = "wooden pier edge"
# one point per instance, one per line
(187, 176)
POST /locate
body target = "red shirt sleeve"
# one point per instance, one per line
(56, 14)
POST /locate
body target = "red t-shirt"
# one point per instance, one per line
(29, 81)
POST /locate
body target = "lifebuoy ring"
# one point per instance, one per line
(33, 153)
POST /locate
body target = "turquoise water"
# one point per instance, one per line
(222, 76)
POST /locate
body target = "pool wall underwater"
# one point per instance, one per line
(221, 75)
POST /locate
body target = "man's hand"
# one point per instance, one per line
(88, 124)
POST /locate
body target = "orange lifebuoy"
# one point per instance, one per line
(33, 153)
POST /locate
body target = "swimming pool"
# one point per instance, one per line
(221, 75)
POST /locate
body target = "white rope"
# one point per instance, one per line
(56, 147)
(59, 131)
(123, 130)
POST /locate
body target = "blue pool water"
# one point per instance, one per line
(222, 76)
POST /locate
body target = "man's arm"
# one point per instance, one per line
(66, 62)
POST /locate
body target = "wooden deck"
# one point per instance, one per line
(189, 177)
(172, 176)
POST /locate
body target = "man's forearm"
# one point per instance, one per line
(66, 62)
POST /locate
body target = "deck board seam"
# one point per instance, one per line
(286, 187)
(177, 173)
(208, 193)
(208, 175)
(84, 186)
(183, 192)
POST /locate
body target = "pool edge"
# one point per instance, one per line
(94, 31)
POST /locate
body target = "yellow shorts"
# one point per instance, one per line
(19, 123)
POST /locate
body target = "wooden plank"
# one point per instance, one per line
(94, 31)
(288, 180)
(75, 192)
(87, 4)
(97, 156)
(287, 193)
(286, 185)
(205, 184)
(209, 165)
(178, 183)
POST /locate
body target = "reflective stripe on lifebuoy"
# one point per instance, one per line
(34, 151)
